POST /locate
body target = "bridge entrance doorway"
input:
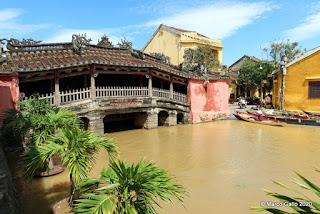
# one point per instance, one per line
(120, 122)
(180, 118)
(163, 118)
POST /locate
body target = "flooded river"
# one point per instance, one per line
(226, 164)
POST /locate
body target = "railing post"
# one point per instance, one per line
(150, 85)
(171, 88)
(56, 89)
(92, 84)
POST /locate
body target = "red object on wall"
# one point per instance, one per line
(9, 93)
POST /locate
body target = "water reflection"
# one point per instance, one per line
(224, 163)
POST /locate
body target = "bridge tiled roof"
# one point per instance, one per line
(58, 56)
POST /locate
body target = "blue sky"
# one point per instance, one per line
(245, 27)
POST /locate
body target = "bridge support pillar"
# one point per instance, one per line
(172, 119)
(150, 119)
(96, 125)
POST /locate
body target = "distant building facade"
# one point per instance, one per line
(302, 83)
(234, 89)
(173, 42)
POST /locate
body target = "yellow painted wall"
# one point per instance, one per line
(232, 90)
(166, 43)
(173, 45)
(276, 91)
(254, 91)
(297, 86)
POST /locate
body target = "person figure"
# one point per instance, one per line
(268, 100)
(260, 115)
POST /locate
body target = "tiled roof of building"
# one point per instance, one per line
(247, 57)
(48, 57)
(234, 76)
(181, 30)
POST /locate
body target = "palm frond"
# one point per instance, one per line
(36, 157)
(295, 202)
(136, 187)
(95, 204)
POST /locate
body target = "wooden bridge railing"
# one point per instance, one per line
(125, 91)
(74, 95)
(111, 91)
(49, 97)
(180, 97)
(157, 92)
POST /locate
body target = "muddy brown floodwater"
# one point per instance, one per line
(226, 164)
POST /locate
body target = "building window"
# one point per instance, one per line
(314, 89)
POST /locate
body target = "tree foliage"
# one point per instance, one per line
(300, 204)
(17, 124)
(201, 56)
(252, 73)
(286, 48)
(130, 189)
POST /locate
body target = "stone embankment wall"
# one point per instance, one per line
(8, 197)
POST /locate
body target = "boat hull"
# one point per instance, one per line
(254, 119)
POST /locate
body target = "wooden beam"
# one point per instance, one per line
(150, 84)
(74, 74)
(182, 83)
(121, 72)
(171, 88)
(56, 89)
(92, 83)
(35, 79)
(161, 77)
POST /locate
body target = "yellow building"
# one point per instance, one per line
(172, 42)
(236, 91)
(302, 83)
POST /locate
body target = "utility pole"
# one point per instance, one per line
(283, 62)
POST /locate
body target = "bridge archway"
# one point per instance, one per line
(180, 118)
(85, 123)
(123, 121)
(163, 117)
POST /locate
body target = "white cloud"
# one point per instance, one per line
(216, 20)
(10, 27)
(308, 28)
(9, 13)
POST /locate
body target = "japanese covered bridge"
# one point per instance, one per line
(106, 85)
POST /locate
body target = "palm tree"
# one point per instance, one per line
(129, 189)
(51, 123)
(77, 150)
(18, 123)
(301, 204)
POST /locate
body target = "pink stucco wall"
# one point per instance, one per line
(9, 93)
(208, 104)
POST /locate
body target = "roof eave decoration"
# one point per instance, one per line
(79, 42)
(105, 43)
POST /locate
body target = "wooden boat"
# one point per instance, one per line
(293, 120)
(254, 119)
(314, 114)
(276, 113)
